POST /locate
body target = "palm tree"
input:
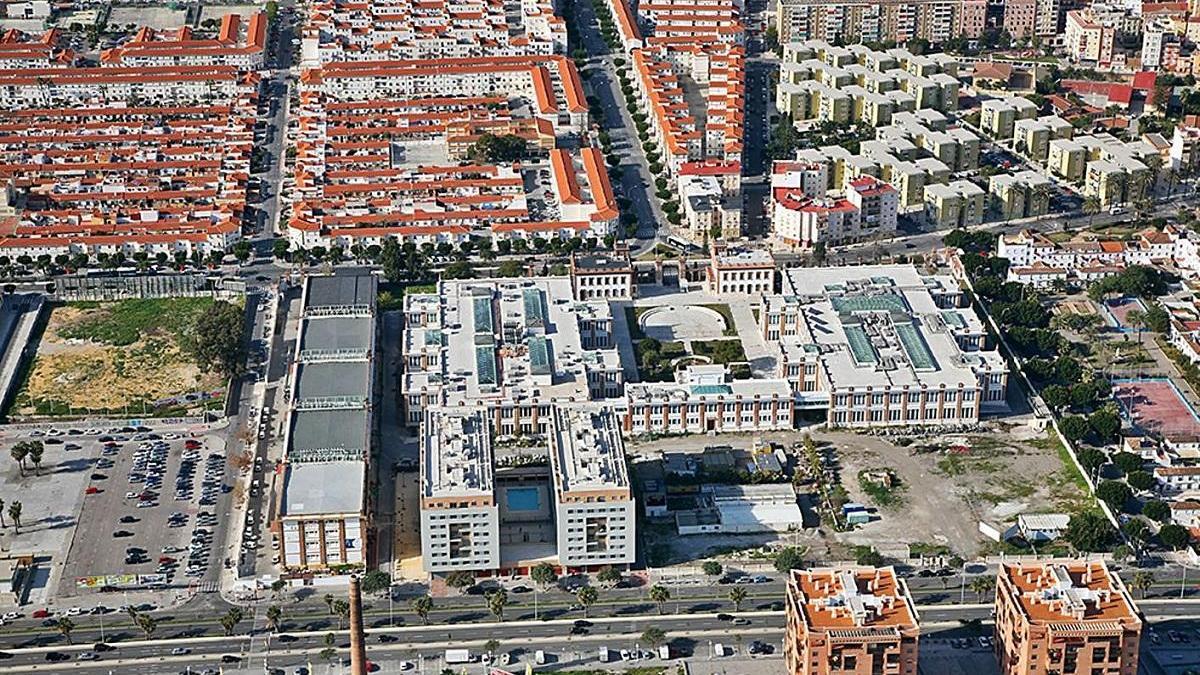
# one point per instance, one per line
(1041, 196)
(19, 452)
(329, 602)
(737, 595)
(229, 620)
(660, 595)
(147, 623)
(36, 450)
(1142, 581)
(274, 616)
(65, 625)
(587, 596)
(1091, 206)
(982, 585)
(496, 601)
(14, 512)
(422, 606)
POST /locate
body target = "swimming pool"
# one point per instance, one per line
(522, 498)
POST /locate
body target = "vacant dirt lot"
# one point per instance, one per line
(109, 356)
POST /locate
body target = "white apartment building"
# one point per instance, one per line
(740, 271)
(603, 276)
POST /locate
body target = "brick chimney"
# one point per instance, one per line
(358, 641)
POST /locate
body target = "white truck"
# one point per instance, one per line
(455, 656)
(603, 655)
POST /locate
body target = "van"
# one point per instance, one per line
(458, 656)
(539, 657)
(603, 654)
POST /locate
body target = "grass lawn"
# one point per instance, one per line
(125, 322)
(660, 370)
(720, 351)
(631, 319)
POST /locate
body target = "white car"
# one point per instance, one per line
(180, 651)
(74, 611)
(9, 616)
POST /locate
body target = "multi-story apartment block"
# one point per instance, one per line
(998, 116)
(859, 21)
(960, 203)
(1023, 194)
(594, 511)
(882, 346)
(1067, 158)
(711, 194)
(20, 50)
(1184, 154)
(955, 147)
(1090, 36)
(706, 399)
(322, 516)
(823, 82)
(857, 621)
(799, 219)
(239, 42)
(1032, 137)
(1065, 617)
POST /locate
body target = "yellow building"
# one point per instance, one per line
(1024, 194)
(1067, 158)
(957, 204)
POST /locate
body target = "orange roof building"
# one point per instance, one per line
(856, 621)
(1065, 617)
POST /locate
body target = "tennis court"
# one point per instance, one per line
(1118, 310)
(1156, 405)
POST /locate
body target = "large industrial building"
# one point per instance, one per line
(322, 511)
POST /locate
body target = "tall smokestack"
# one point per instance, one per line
(358, 641)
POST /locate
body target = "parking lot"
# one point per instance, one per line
(152, 502)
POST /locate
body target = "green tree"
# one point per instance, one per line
(1140, 480)
(1142, 581)
(422, 606)
(609, 575)
(328, 598)
(660, 594)
(1073, 427)
(712, 568)
(1174, 536)
(1127, 462)
(242, 250)
(587, 596)
(217, 341)
(19, 452)
(36, 451)
(65, 625)
(1154, 510)
(1114, 493)
(14, 513)
(497, 600)
(1091, 459)
(982, 584)
(460, 579)
(543, 574)
(147, 624)
(737, 595)
(867, 555)
(376, 581)
(496, 149)
(1105, 424)
(653, 637)
(1089, 532)
(274, 617)
(229, 620)
(459, 269)
(788, 559)
(510, 268)
(341, 609)
(1055, 396)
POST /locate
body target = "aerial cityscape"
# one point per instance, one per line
(658, 337)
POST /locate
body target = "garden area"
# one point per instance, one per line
(157, 357)
(1070, 358)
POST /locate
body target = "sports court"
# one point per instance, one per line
(1156, 405)
(1117, 312)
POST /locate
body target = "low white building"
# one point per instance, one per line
(742, 509)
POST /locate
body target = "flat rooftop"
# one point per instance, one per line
(324, 488)
(1069, 592)
(880, 325)
(587, 451)
(456, 454)
(331, 379)
(330, 432)
(849, 598)
(602, 262)
(336, 333)
(340, 289)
